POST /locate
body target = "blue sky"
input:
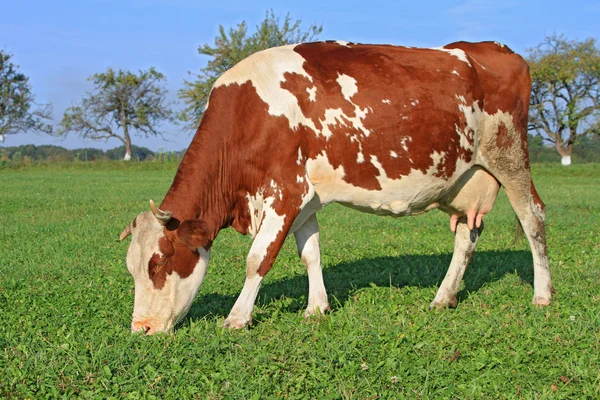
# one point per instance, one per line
(58, 44)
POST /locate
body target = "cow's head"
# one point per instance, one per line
(167, 259)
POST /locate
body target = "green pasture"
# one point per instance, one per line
(66, 300)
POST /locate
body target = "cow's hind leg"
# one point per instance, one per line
(531, 212)
(510, 166)
(465, 241)
(307, 242)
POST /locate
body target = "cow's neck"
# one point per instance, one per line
(201, 189)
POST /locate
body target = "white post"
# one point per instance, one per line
(565, 160)
(1, 138)
(127, 157)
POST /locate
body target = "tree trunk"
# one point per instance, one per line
(126, 136)
(565, 153)
(127, 148)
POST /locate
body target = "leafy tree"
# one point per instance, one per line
(232, 47)
(565, 95)
(121, 104)
(16, 102)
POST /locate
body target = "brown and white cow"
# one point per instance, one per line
(383, 129)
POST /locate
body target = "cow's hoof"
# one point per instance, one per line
(541, 301)
(235, 323)
(316, 311)
(450, 302)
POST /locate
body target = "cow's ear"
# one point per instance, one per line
(193, 234)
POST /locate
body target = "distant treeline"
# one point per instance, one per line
(50, 153)
(586, 150)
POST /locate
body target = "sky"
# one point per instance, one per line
(58, 44)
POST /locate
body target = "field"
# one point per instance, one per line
(66, 299)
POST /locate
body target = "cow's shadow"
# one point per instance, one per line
(347, 277)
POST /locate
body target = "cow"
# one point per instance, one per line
(384, 129)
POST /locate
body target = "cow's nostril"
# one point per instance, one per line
(142, 326)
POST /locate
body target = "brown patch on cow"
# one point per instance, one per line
(402, 123)
(176, 257)
(504, 139)
(536, 198)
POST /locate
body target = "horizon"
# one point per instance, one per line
(58, 45)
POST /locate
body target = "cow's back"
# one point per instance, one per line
(377, 127)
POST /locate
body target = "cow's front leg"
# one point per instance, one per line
(465, 241)
(267, 243)
(307, 241)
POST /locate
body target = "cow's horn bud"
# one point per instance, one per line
(162, 216)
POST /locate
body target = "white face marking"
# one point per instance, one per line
(458, 53)
(159, 309)
(312, 93)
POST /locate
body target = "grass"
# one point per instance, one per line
(66, 300)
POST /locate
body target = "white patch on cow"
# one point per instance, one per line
(268, 229)
(377, 164)
(405, 117)
(266, 70)
(299, 160)
(343, 43)
(393, 154)
(332, 117)
(455, 72)
(348, 85)
(360, 158)
(312, 93)
(437, 159)
(409, 195)
(276, 189)
(299, 179)
(403, 142)
(472, 114)
(460, 98)
(458, 53)
(414, 102)
(499, 44)
(386, 101)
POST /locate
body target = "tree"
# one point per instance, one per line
(121, 104)
(16, 102)
(230, 48)
(565, 93)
